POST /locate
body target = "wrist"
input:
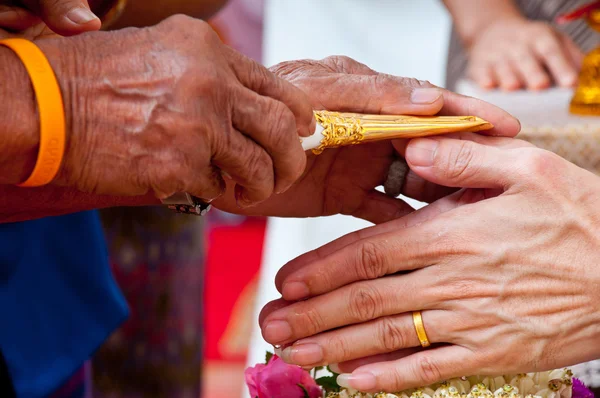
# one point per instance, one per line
(20, 125)
(63, 60)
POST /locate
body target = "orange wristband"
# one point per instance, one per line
(50, 109)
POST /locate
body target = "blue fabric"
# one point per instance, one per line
(58, 297)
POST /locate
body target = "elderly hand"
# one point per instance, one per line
(343, 180)
(516, 53)
(168, 108)
(64, 17)
(505, 273)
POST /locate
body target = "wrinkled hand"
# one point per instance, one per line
(504, 271)
(343, 180)
(168, 108)
(516, 53)
(63, 17)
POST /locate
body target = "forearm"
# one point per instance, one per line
(20, 204)
(472, 16)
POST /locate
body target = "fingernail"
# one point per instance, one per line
(334, 367)
(81, 15)
(293, 291)
(303, 354)
(358, 381)
(421, 152)
(423, 96)
(277, 332)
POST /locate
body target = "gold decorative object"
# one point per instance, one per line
(340, 129)
(586, 100)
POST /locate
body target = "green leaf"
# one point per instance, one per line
(328, 383)
(268, 356)
(332, 372)
(306, 395)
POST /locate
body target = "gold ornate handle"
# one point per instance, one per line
(340, 129)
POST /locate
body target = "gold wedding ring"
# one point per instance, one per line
(420, 328)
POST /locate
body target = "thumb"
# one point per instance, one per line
(467, 164)
(65, 17)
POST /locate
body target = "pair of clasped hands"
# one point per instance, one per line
(503, 262)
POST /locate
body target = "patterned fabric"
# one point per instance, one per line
(542, 10)
(157, 259)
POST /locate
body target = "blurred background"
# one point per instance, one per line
(401, 37)
(195, 286)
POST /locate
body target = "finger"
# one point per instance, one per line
(573, 50)
(260, 80)
(207, 185)
(420, 369)
(530, 71)
(482, 74)
(426, 191)
(271, 125)
(247, 164)
(203, 182)
(461, 163)
(352, 304)
(550, 49)
(327, 267)
(384, 335)
(350, 366)
(271, 307)
(17, 18)
(505, 124)
(378, 94)
(379, 208)
(506, 76)
(65, 17)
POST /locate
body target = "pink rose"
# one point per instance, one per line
(277, 379)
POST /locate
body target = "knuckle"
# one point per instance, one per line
(343, 64)
(427, 370)
(459, 160)
(178, 20)
(264, 80)
(415, 83)
(371, 261)
(338, 345)
(537, 162)
(365, 303)
(395, 379)
(256, 164)
(392, 338)
(282, 126)
(310, 321)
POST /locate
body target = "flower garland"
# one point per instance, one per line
(277, 379)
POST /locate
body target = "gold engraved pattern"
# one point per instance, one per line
(341, 129)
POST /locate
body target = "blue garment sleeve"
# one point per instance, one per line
(58, 297)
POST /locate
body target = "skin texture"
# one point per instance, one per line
(504, 271)
(332, 183)
(510, 52)
(153, 126)
(343, 180)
